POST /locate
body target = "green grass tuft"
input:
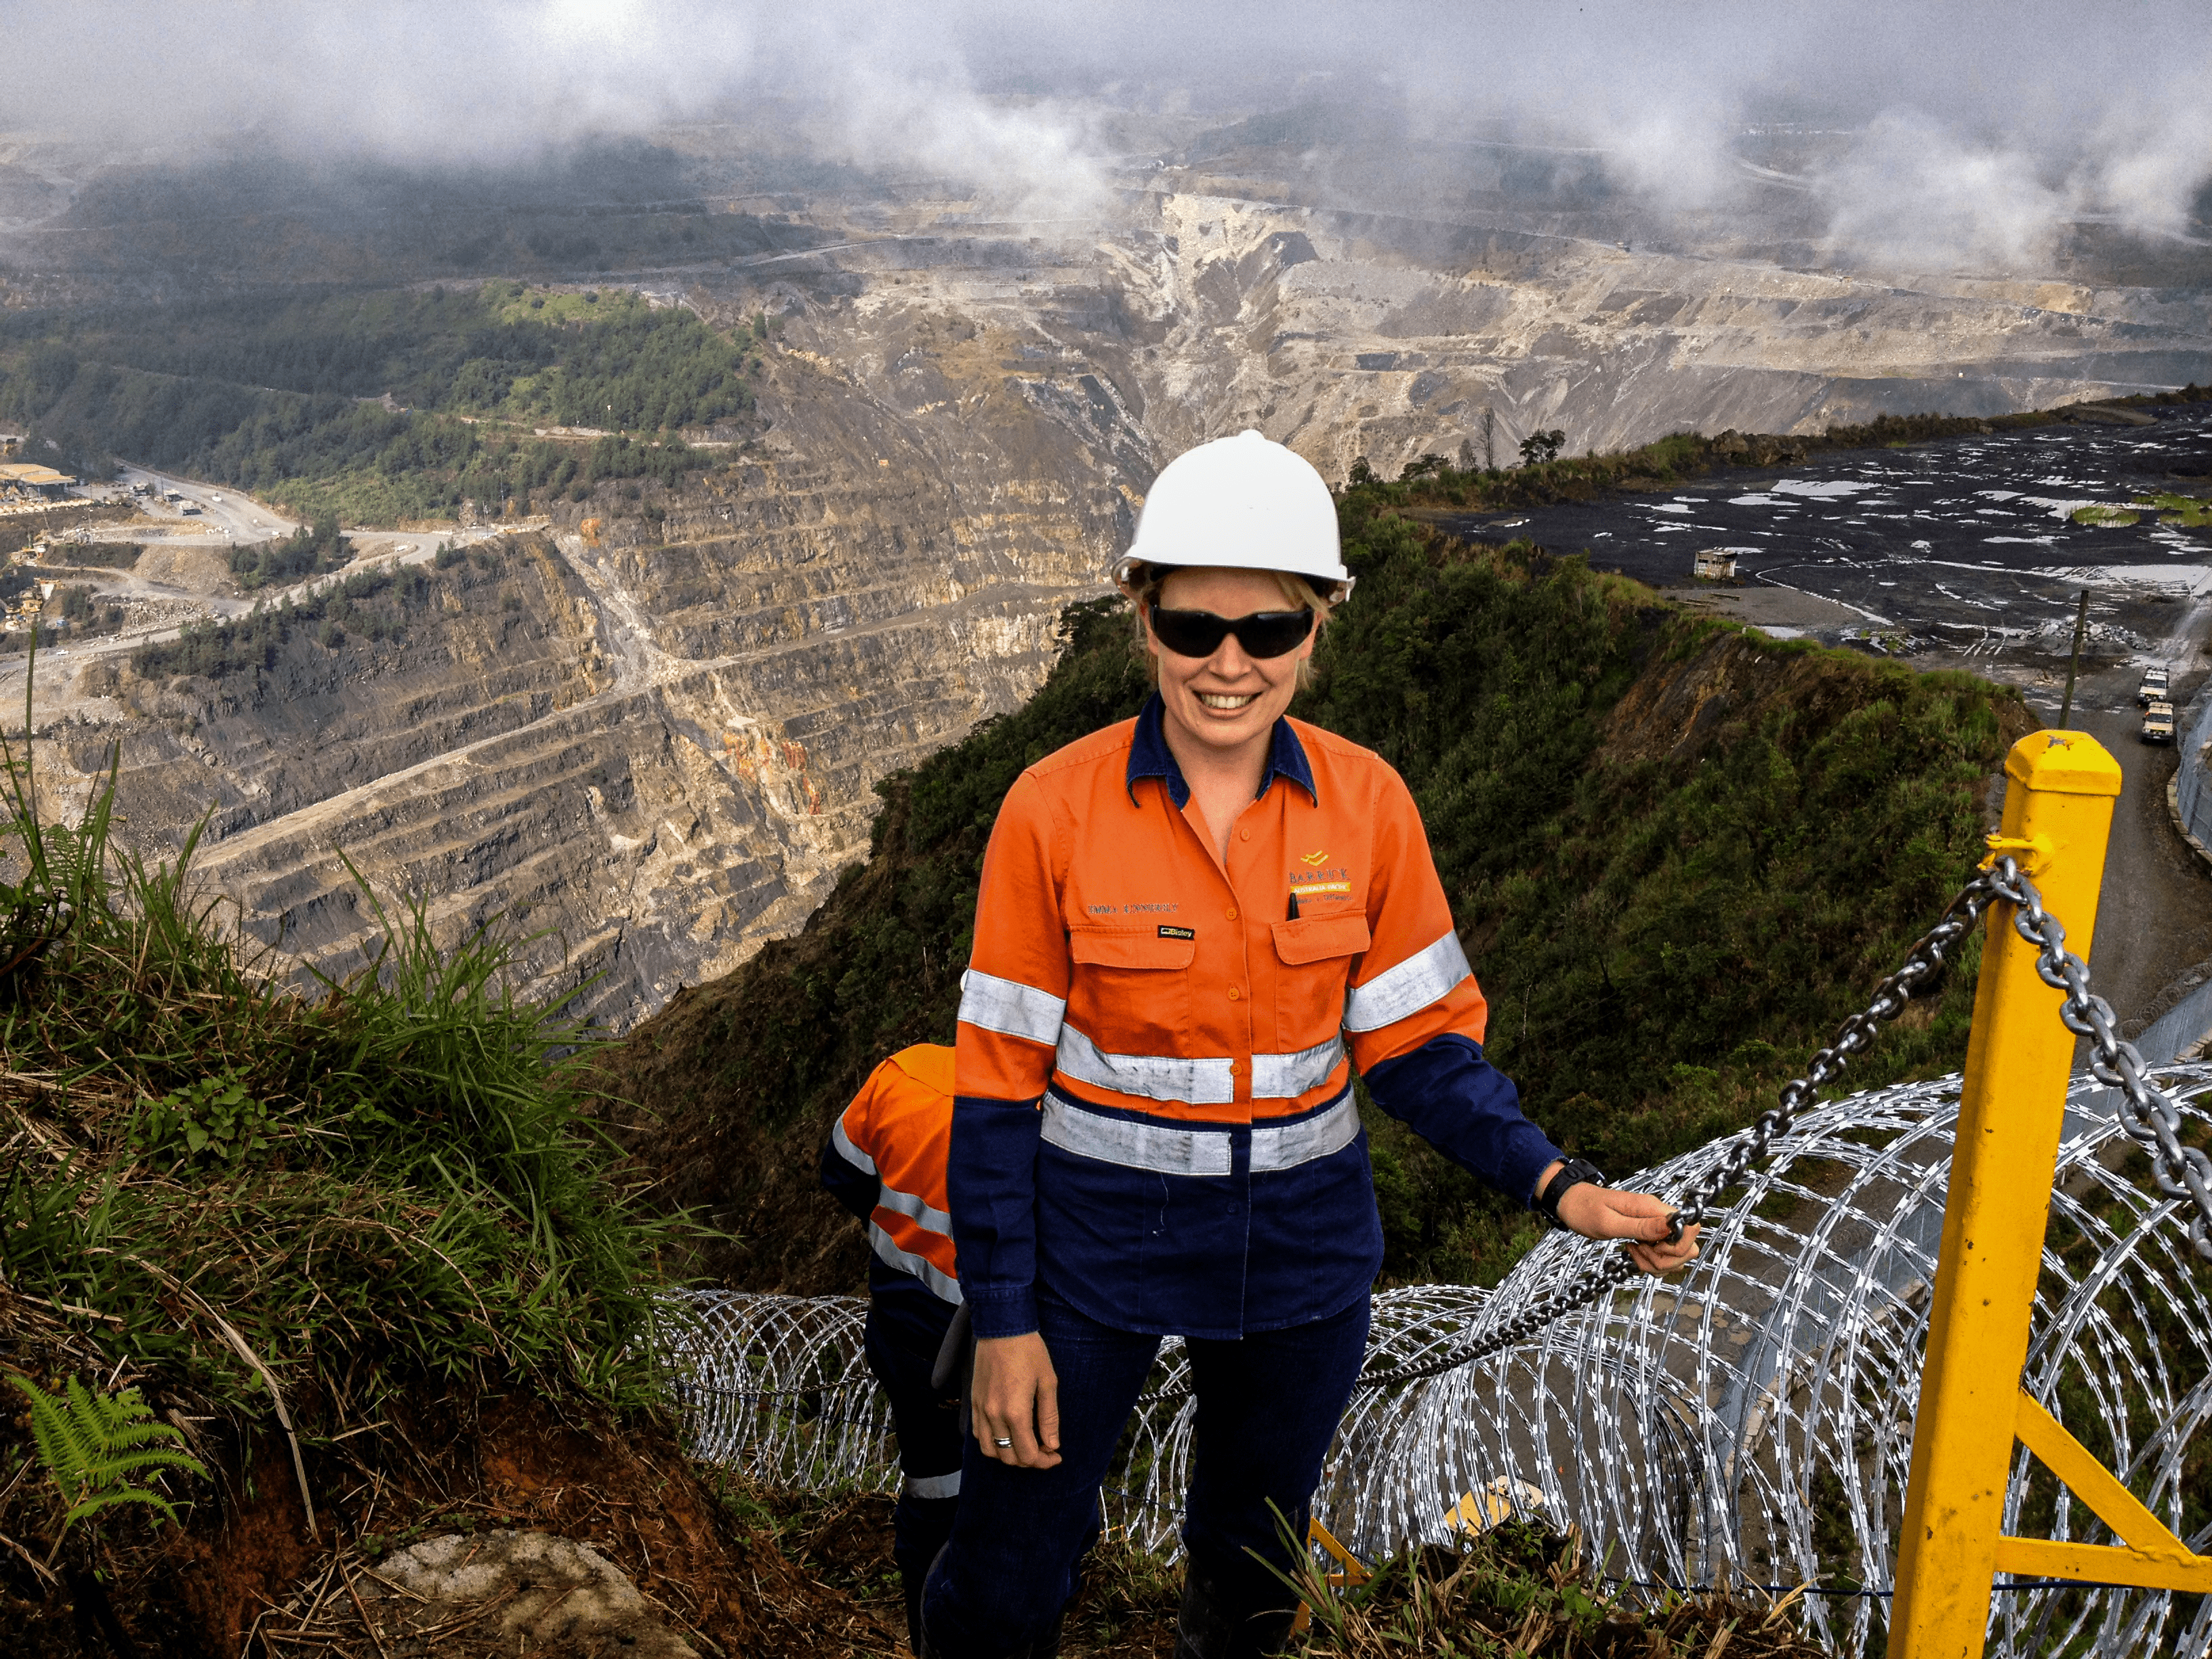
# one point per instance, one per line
(384, 1184)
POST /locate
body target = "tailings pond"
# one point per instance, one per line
(1966, 552)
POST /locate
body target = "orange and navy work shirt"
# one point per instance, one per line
(885, 1163)
(1154, 1119)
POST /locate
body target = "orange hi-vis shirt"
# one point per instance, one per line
(1185, 1027)
(1116, 959)
(897, 1130)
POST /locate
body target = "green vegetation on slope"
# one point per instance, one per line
(310, 551)
(372, 604)
(385, 1187)
(1678, 853)
(288, 400)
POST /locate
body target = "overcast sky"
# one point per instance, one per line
(1979, 124)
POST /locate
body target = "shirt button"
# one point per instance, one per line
(1243, 835)
(1232, 913)
(1234, 994)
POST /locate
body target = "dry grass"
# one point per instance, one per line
(1518, 1592)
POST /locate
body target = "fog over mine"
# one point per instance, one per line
(1976, 130)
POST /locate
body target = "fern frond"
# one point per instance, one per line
(100, 1449)
(127, 1495)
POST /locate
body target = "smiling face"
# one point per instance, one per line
(1224, 706)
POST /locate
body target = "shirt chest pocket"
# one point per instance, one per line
(1314, 956)
(1130, 991)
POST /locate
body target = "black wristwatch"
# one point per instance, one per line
(1574, 1171)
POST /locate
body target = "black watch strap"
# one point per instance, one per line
(1574, 1171)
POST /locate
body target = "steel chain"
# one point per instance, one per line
(2148, 1113)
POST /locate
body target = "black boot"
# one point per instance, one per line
(1046, 1646)
(1211, 1625)
(912, 1584)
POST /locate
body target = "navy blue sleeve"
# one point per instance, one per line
(1448, 1094)
(857, 1189)
(990, 1181)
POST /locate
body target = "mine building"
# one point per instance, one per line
(1716, 563)
(33, 479)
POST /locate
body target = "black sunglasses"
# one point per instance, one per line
(1263, 633)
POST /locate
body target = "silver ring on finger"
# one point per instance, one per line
(1003, 1444)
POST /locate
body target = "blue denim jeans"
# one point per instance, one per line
(1268, 1406)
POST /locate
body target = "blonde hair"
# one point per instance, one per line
(1143, 583)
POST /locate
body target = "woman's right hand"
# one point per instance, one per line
(1015, 1396)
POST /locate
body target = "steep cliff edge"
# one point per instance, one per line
(1609, 878)
(649, 735)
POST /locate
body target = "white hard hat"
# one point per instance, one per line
(1240, 503)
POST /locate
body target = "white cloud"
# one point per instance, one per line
(1985, 123)
(1912, 193)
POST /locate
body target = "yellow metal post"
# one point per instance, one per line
(2058, 811)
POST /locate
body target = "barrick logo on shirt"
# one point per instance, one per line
(1319, 858)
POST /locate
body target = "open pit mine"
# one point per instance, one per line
(644, 724)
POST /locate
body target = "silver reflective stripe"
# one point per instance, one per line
(845, 1150)
(942, 1284)
(1285, 1077)
(1152, 1077)
(1301, 1142)
(1410, 986)
(934, 1486)
(1007, 1006)
(890, 1197)
(1153, 1146)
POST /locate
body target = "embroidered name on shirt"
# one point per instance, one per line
(1178, 932)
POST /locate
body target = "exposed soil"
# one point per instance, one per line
(1676, 707)
(709, 1564)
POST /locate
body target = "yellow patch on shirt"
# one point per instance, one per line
(1311, 888)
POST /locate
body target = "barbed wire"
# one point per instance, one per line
(1748, 1420)
(2150, 1115)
